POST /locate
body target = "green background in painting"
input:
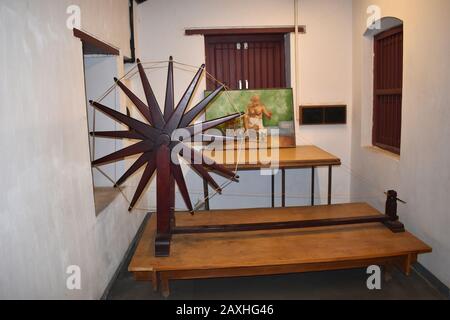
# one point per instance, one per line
(278, 101)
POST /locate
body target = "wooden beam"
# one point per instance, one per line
(92, 45)
(247, 30)
(280, 225)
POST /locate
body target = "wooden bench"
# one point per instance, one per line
(197, 256)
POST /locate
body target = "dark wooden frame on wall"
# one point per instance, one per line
(324, 109)
(92, 45)
(239, 31)
(392, 63)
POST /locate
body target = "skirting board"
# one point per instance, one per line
(432, 279)
(128, 253)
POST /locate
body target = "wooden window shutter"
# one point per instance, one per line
(388, 83)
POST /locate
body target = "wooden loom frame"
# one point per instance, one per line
(156, 146)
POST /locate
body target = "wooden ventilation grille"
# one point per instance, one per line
(329, 114)
(388, 82)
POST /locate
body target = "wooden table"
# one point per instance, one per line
(288, 158)
(273, 252)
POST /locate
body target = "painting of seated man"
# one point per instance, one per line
(268, 116)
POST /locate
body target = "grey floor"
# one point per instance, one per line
(336, 285)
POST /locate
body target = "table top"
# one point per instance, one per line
(274, 247)
(296, 157)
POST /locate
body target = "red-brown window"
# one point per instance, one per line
(388, 83)
(246, 61)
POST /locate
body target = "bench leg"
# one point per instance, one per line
(404, 263)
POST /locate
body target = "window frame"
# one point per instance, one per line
(243, 66)
(377, 92)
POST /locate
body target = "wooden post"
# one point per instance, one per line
(391, 211)
(206, 194)
(283, 188)
(313, 177)
(330, 183)
(165, 193)
(273, 189)
(172, 202)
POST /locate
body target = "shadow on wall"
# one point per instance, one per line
(382, 25)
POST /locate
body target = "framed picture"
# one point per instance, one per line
(268, 116)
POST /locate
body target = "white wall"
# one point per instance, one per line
(47, 217)
(421, 173)
(325, 76)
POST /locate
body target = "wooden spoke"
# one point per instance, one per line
(204, 138)
(146, 176)
(119, 135)
(177, 115)
(170, 98)
(137, 148)
(137, 125)
(148, 156)
(192, 114)
(202, 127)
(142, 107)
(212, 138)
(155, 110)
(205, 175)
(194, 156)
(178, 175)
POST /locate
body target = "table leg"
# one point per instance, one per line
(155, 281)
(165, 289)
(283, 188)
(273, 189)
(330, 183)
(206, 194)
(313, 178)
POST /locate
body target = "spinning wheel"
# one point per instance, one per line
(157, 147)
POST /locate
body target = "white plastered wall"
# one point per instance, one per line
(47, 217)
(420, 174)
